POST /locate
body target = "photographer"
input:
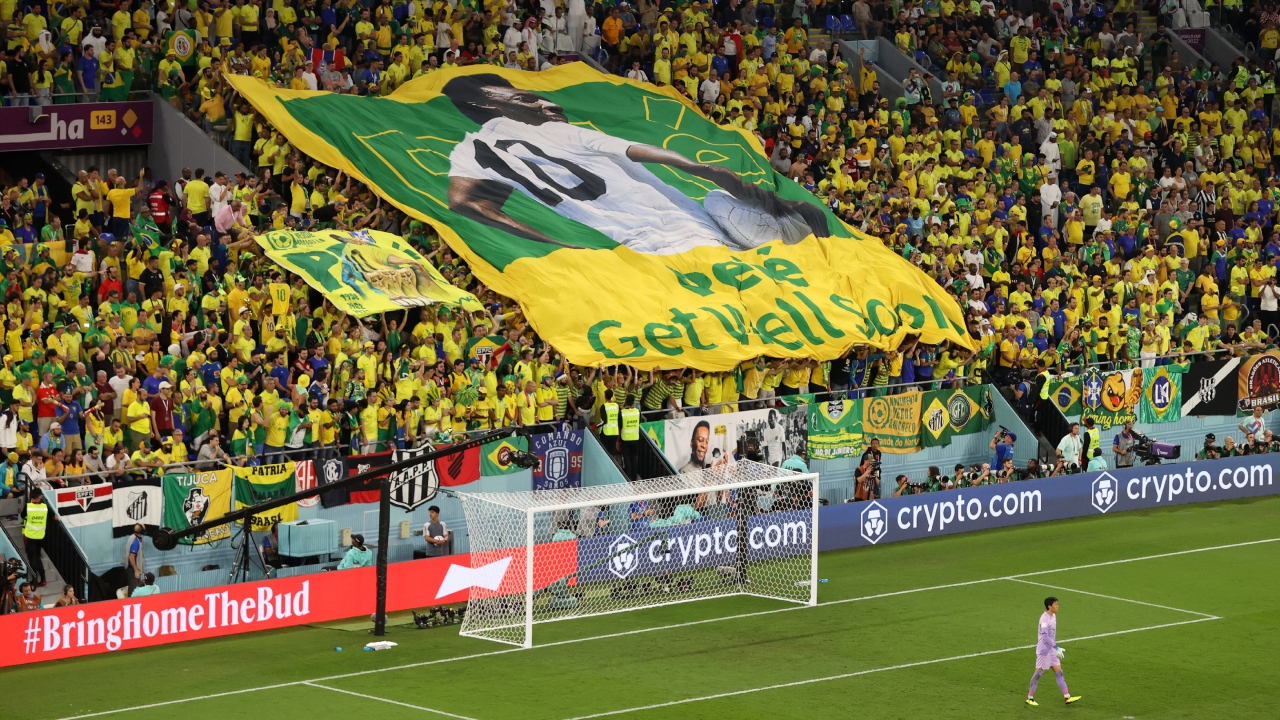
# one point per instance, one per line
(872, 452)
(981, 475)
(958, 478)
(1122, 446)
(1210, 451)
(867, 482)
(1059, 465)
(904, 488)
(11, 573)
(1032, 471)
(934, 479)
(1008, 473)
(1002, 444)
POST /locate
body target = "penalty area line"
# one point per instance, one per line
(903, 666)
(388, 700)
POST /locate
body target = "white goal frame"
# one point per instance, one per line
(524, 508)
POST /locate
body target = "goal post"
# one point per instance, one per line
(743, 528)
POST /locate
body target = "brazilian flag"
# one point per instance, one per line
(495, 457)
(657, 431)
(1065, 393)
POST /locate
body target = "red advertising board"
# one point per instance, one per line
(80, 125)
(93, 628)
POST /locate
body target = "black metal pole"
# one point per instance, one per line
(384, 532)
(167, 538)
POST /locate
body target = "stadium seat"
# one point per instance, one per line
(846, 24)
(832, 25)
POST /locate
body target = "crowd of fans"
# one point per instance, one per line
(1085, 195)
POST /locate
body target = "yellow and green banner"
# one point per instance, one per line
(835, 429)
(182, 43)
(948, 413)
(194, 498)
(1065, 394)
(628, 226)
(894, 420)
(364, 272)
(1161, 395)
(1111, 397)
(259, 484)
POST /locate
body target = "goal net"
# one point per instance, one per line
(743, 528)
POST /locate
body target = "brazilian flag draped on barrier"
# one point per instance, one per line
(495, 457)
(1161, 395)
(193, 498)
(1111, 397)
(363, 272)
(948, 413)
(628, 226)
(657, 430)
(1065, 393)
(835, 429)
(259, 484)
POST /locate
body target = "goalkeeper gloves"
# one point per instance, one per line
(1059, 652)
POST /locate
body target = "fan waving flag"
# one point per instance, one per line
(629, 227)
(330, 59)
(182, 44)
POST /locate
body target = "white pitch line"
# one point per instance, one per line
(903, 666)
(1206, 616)
(639, 631)
(387, 700)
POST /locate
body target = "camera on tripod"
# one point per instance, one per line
(749, 444)
(1151, 452)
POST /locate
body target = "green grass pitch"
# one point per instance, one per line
(925, 629)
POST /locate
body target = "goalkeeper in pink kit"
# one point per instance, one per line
(1048, 654)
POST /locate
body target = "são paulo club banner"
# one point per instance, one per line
(554, 185)
(953, 511)
(559, 460)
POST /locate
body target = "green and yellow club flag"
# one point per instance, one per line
(182, 43)
(262, 483)
(629, 227)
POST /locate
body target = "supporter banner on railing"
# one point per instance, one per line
(698, 442)
(894, 420)
(628, 226)
(559, 460)
(79, 125)
(1065, 393)
(495, 457)
(1161, 395)
(835, 429)
(991, 506)
(1259, 383)
(1110, 397)
(364, 272)
(193, 498)
(83, 504)
(948, 413)
(1211, 388)
(262, 483)
(134, 501)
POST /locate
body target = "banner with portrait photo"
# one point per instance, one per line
(894, 420)
(694, 443)
(629, 227)
(193, 498)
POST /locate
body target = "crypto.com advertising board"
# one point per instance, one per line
(1018, 503)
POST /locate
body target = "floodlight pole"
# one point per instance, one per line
(384, 531)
